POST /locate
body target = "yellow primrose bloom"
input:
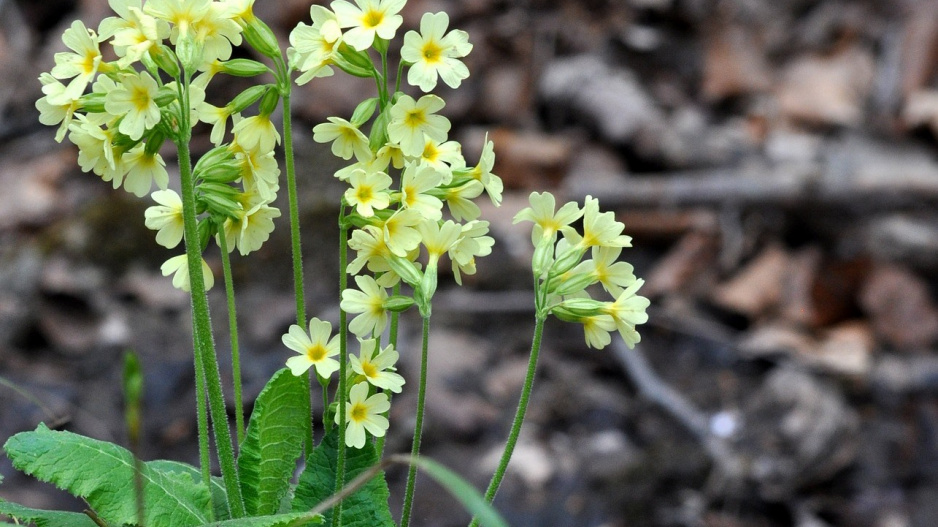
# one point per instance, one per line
(315, 46)
(546, 222)
(628, 311)
(438, 239)
(60, 112)
(143, 169)
(95, 147)
(134, 100)
(364, 413)
(134, 32)
(165, 218)
(369, 192)
(369, 244)
(260, 172)
(377, 368)
(182, 14)
(178, 266)
(256, 133)
(400, 236)
(459, 200)
(217, 117)
(604, 268)
(596, 329)
(315, 348)
(253, 226)
(434, 54)
(443, 157)
(416, 181)
(347, 139)
(413, 122)
(369, 303)
(216, 32)
(367, 19)
(483, 173)
(600, 229)
(471, 244)
(82, 62)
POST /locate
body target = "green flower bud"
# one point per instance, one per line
(398, 303)
(217, 155)
(206, 229)
(244, 68)
(165, 96)
(356, 63)
(247, 97)
(566, 261)
(574, 284)
(189, 51)
(92, 102)
(405, 269)
(364, 111)
(579, 308)
(269, 101)
(543, 257)
(220, 173)
(425, 290)
(262, 38)
(164, 57)
(379, 130)
(155, 140)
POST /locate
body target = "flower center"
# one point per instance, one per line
(140, 97)
(369, 369)
(414, 118)
(372, 19)
(316, 353)
(359, 413)
(432, 52)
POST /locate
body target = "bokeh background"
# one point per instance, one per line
(774, 161)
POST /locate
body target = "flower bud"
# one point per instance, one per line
(379, 130)
(573, 284)
(269, 101)
(243, 68)
(405, 269)
(364, 111)
(578, 308)
(356, 63)
(567, 260)
(189, 51)
(247, 98)
(543, 257)
(92, 102)
(262, 38)
(164, 57)
(398, 303)
(165, 96)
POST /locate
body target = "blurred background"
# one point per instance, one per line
(774, 162)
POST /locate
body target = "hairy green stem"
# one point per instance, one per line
(205, 460)
(233, 335)
(519, 415)
(296, 246)
(418, 426)
(203, 340)
(343, 366)
(392, 339)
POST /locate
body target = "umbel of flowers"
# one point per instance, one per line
(407, 212)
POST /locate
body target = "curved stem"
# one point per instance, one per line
(233, 334)
(341, 395)
(418, 426)
(519, 416)
(202, 339)
(295, 243)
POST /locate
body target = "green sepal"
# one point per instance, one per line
(164, 57)
(364, 111)
(206, 229)
(578, 308)
(269, 101)
(398, 303)
(405, 269)
(379, 130)
(425, 290)
(260, 37)
(566, 261)
(366, 507)
(155, 139)
(189, 50)
(92, 102)
(248, 97)
(381, 44)
(244, 68)
(217, 155)
(355, 63)
(273, 443)
(225, 172)
(573, 284)
(165, 96)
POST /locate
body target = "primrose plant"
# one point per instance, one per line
(408, 209)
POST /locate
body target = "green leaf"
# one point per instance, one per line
(44, 518)
(290, 519)
(273, 443)
(368, 507)
(217, 486)
(103, 474)
(470, 498)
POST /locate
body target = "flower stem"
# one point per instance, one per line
(233, 334)
(418, 426)
(202, 338)
(392, 340)
(205, 460)
(519, 415)
(343, 366)
(296, 246)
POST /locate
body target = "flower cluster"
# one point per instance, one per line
(167, 52)
(409, 197)
(563, 276)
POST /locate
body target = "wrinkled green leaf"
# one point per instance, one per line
(44, 518)
(217, 486)
(273, 443)
(103, 474)
(367, 507)
(290, 519)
